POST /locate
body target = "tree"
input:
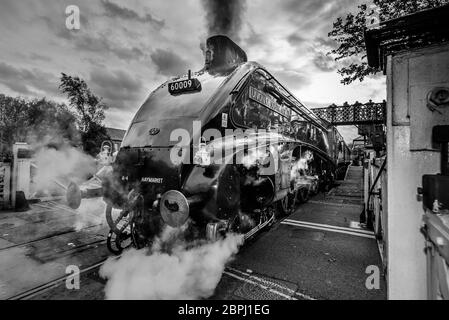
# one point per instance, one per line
(12, 119)
(348, 32)
(38, 122)
(90, 111)
(50, 123)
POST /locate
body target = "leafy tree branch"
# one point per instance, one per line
(348, 32)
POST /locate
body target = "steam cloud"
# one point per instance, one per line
(90, 213)
(67, 162)
(183, 272)
(224, 17)
(301, 167)
(55, 168)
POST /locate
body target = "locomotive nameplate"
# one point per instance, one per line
(268, 102)
(153, 180)
(184, 86)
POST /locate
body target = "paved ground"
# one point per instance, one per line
(37, 246)
(308, 255)
(318, 252)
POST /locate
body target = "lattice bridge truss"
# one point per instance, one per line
(356, 114)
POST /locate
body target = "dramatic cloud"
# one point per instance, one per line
(27, 82)
(296, 39)
(118, 85)
(254, 38)
(101, 44)
(168, 63)
(293, 80)
(323, 62)
(113, 10)
(38, 57)
(125, 49)
(103, 39)
(314, 13)
(303, 7)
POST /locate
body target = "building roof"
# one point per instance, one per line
(116, 134)
(413, 31)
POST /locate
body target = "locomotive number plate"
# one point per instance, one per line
(184, 86)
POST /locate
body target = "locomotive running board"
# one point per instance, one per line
(259, 227)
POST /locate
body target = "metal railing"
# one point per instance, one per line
(356, 114)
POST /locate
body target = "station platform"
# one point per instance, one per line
(318, 252)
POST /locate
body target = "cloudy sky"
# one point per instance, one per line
(125, 49)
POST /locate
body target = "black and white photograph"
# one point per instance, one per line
(225, 155)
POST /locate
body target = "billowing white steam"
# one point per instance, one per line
(302, 165)
(184, 272)
(67, 163)
(90, 213)
(56, 168)
(255, 157)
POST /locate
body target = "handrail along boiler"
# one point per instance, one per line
(289, 153)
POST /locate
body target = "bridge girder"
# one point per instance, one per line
(356, 114)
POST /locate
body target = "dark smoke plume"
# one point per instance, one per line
(224, 17)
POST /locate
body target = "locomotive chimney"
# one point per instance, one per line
(222, 55)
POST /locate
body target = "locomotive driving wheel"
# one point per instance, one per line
(116, 243)
(123, 233)
(116, 218)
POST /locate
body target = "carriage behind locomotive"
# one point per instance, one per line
(221, 150)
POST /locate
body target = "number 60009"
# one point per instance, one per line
(181, 85)
(184, 86)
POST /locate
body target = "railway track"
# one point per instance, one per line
(89, 238)
(230, 272)
(246, 277)
(46, 287)
(39, 290)
(52, 205)
(54, 235)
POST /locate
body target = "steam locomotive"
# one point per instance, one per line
(225, 149)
